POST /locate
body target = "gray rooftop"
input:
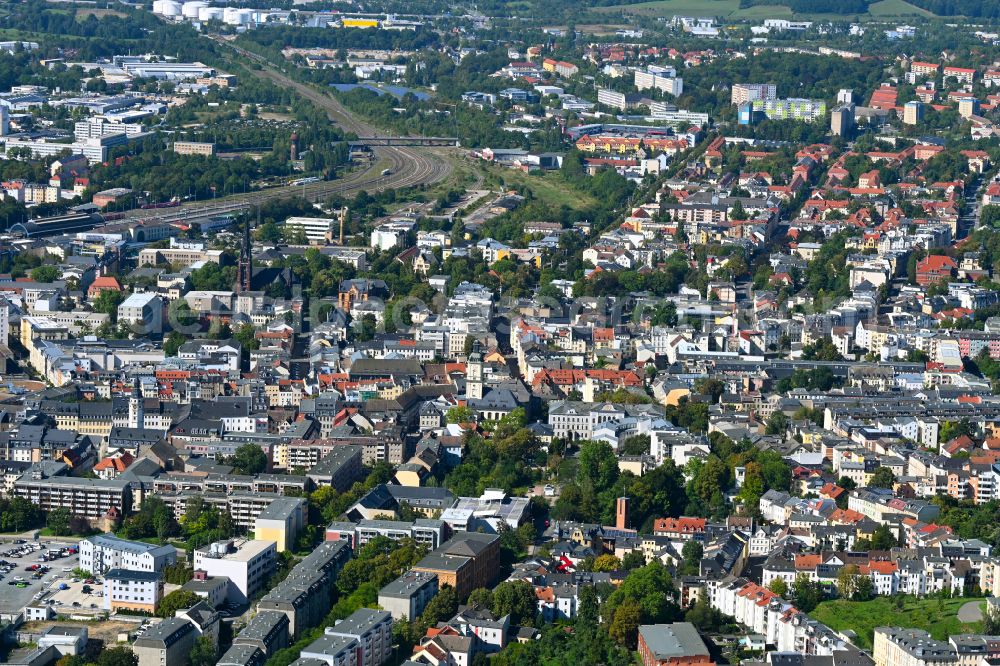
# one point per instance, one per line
(679, 639)
(404, 586)
(359, 622)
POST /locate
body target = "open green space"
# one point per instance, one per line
(937, 616)
(549, 187)
(896, 8)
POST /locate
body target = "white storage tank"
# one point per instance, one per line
(190, 9)
(157, 6)
(234, 16)
(210, 14)
(170, 8)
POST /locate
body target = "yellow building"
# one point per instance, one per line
(410, 474)
(359, 23)
(281, 522)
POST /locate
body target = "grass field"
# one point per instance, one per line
(937, 616)
(548, 188)
(731, 8)
(896, 8)
(98, 12)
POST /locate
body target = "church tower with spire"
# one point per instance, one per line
(136, 406)
(244, 271)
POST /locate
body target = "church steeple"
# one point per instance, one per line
(244, 272)
(136, 407)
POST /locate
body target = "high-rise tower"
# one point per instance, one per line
(244, 272)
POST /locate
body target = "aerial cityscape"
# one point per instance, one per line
(501, 333)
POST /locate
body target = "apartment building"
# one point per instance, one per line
(752, 92)
(92, 499)
(243, 506)
(407, 596)
(168, 642)
(304, 596)
(318, 230)
(677, 644)
(879, 506)
(924, 68)
(333, 651)
(372, 629)
(181, 255)
(896, 646)
(795, 108)
(466, 561)
(615, 99)
(242, 655)
(425, 531)
(281, 521)
(132, 590)
(194, 148)
(104, 552)
(672, 85)
(247, 564)
(340, 468)
(962, 74)
(143, 311)
(267, 631)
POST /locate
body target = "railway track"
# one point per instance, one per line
(408, 167)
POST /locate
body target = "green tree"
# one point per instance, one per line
(710, 387)
(606, 562)
(807, 593)
(118, 656)
(636, 445)
(589, 607)
(203, 653)
(779, 587)
(482, 597)
(652, 588)
(847, 580)
(175, 601)
(442, 607)
(517, 599)
(246, 335)
(846, 483)
(459, 414)
(821, 350)
(58, 521)
(47, 273)
(692, 552)
(248, 459)
(777, 423)
(173, 343)
(882, 478)
(703, 616)
(107, 302)
(738, 212)
(598, 464)
(883, 538)
(18, 515)
(178, 573)
(624, 626)
(864, 589)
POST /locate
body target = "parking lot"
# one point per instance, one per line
(19, 587)
(78, 597)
